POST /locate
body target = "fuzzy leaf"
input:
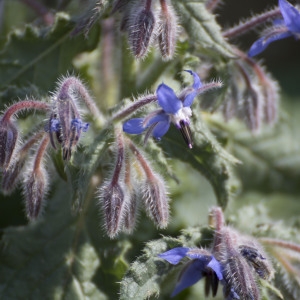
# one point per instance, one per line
(59, 256)
(207, 157)
(202, 28)
(40, 56)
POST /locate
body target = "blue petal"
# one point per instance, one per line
(167, 99)
(80, 125)
(134, 126)
(197, 81)
(216, 267)
(161, 129)
(161, 117)
(189, 99)
(54, 125)
(175, 255)
(261, 44)
(192, 273)
(290, 15)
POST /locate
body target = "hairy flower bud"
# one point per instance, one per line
(167, 33)
(11, 175)
(35, 188)
(112, 195)
(112, 200)
(153, 191)
(238, 275)
(9, 132)
(8, 142)
(141, 28)
(156, 200)
(36, 183)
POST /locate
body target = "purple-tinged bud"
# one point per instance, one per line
(65, 124)
(11, 175)
(131, 201)
(257, 258)
(167, 34)
(66, 113)
(238, 275)
(141, 28)
(36, 183)
(156, 200)
(9, 132)
(8, 142)
(253, 101)
(112, 195)
(154, 191)
(112, 202)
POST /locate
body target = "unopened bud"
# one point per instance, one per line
(141, 28)
(238, 275)
(131, 211)
(156, 200)
(111, 194)
(35, 188)
(11, 175)
(257, 258)
(153, 191)
(8, 142)
(167, 34)
(36, 183)
(112, 198)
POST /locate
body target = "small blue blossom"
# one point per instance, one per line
(174, 110)
(202, 264)
(283, 28)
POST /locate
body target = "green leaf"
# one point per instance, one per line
(202, 28)
(59, 256)
(41, 56)
(207, 157)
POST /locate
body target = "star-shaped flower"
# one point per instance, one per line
(282, 28)
(174, 109)
(203, 264)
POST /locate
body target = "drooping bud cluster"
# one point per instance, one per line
(147, 23)
(64, 127)
(119, 195)
(242, 258)
(252, 95)
(234, 260)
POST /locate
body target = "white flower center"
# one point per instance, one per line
(182, 114)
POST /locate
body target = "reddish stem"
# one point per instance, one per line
(26, 104)
(141, 159)
(251, 23)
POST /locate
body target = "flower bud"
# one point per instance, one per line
(8, 142)
(167, 33)
(141, 28)
(112, 198)
(238, 275)
(35, 188)
(156, 200)
(36, 183)
(11, 175)
(154, 192)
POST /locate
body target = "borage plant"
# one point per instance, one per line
(93, 170)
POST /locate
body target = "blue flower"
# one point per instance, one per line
(283, 28)
(174, 110)
(202, 264)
